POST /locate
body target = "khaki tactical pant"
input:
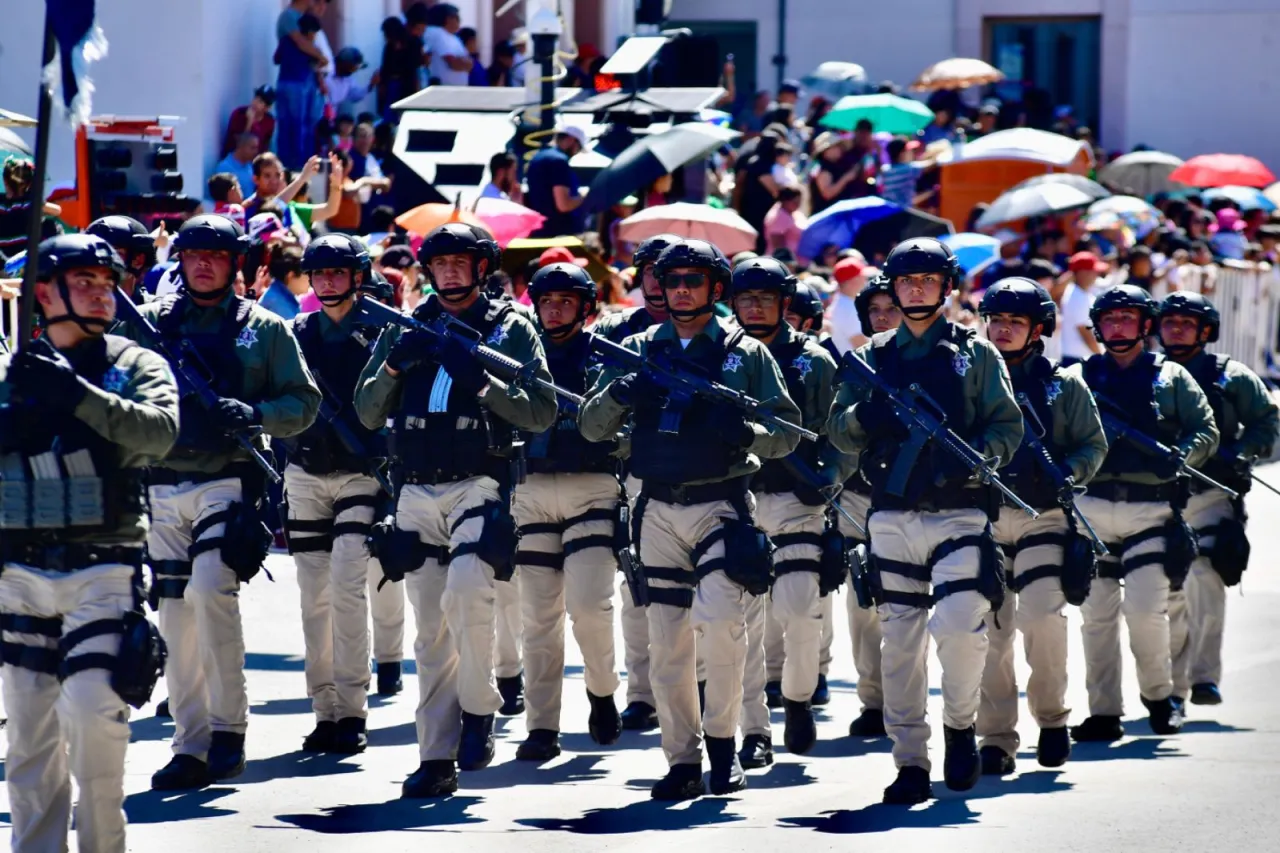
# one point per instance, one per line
(864, 624)
(1198, 612)
(79, 725)
(567, 564)
(635, 631)
(1144, 602)
(1040, 614)
(453, 606)
(508, 628)
(333, 578)
(957, 625)
(755, 710)
(205, 670)
(793, 603)
(717, 617)
(386, 606)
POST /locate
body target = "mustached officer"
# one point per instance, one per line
(792, 512)
(205, 531)
(453, 428)
(83, 414)
(641, 713)
(877, 312)
(692, 521)
(331, 499)
(939, 530)
(1247, 422)
(1042, 555)
(136, 248)
(1132, 503)
(567, 512)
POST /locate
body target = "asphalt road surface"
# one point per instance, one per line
(1213, 787)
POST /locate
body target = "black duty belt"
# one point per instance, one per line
(1122, 492)
(440, 475)
(939, 501)
(160, 476)
(701, 493)
(69, 558)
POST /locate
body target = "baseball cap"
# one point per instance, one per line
(1085, 262)
(574, 131)
(789, 87)
(559, 255)
(398, 257)
(847, 270)
(1229, 220)
(350, 55)
(265, 227)
(588, 51)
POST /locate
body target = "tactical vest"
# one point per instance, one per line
(637, 320)
(337, 365)
(440, 433)
(562, 448)
(1135, 389)
(937, 375)
(1210, 374)
(772, 476)
(88, 493)
(694, 451)
(1041, 383)
(217, 364)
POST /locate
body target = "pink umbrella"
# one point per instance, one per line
(507, 220)
(723, 227)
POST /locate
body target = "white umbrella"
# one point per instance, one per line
(1080, 182)
(722, 227)
(1142, 172)
(12, 119)
(1020, 143)
(957, 73)
(1035, 200)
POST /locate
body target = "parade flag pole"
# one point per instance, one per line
(26, 314)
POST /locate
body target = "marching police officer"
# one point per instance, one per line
(1042, 555)
(641, 713)
(205, 532)
(940, 530)
(567, 512)
(453, 430)
(1247, 422)
(805, 312)
(331, 497)
(692, 522)
(791, 510)
(877, 312)
(100, 409)
(134, 244)
(1135, 502)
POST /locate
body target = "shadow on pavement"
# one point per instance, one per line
(641, 817)
(1140, 748)
(1211, 726)
(847, 747)
(167, 806)
(582, 742)
(579, 768)
(150, 728)
(274, 662)
(780, 775)
(386, 817)
(277, 707)
(401, 734)
(295, 765)
(952, 809)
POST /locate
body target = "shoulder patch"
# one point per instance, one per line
(732, 362)
(1052, 390)
(497, 336)
(961, 363)
(247, 337)
(115, 380)
(803, 365)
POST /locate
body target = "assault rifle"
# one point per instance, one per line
(346, 436)
(925, 421)
(188, 367)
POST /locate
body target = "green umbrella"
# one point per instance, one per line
(887, 114)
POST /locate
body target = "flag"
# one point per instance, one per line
(80, 41)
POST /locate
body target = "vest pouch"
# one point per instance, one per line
(748, 556)
(15, 504)
(246, 541)
(834, 564)
(48, 503)
(399, 551)
(85, 504)
(1181, 548)
(1079, 567)
(1229, 555)
(141, 659)
(991, 571)
(498, 540)
(860, 576)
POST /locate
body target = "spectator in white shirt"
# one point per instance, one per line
(450, 62)
(344, 90)
(1078, 339)
(846, 329)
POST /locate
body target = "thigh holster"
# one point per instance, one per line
(1229, 554)
(400, 551)
(498, 538)
(748, 553)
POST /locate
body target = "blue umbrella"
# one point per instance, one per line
(973, 251)
(1245, 198)
(839, 223)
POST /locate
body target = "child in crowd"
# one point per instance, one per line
(224, 189)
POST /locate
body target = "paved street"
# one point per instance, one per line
(1210, 788)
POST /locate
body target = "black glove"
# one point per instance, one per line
(466, 371)
(410, 350)
(46, 378)
(636, 390)
(731, 424)
(1168, 468)
(1067, 493)
(232, 416)
(877, 419)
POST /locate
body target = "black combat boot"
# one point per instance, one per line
(726, 774)
(321, 738)
(475, 748)
(1165, 715)
(911, 787)
(351, 738)
(432, 779)
(540, 745)
(1098, 728)
(961, 767)
(389, 681)
(682, 782)
(756, 752)
(226, 756)
(821, 693)
(182, 773)
(162, 710)
(512, 690)
(996, 762)
(870, 723)
(604, 724)
(1054, 747)
(640, 717)
(773, 694)
(1201, 694)
(800, 733)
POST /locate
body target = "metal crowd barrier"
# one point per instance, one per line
(1248, 297)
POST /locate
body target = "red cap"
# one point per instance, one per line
(1085, 262)
(847, 270)
(559, 255)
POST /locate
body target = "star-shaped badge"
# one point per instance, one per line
(803, 365)
(497, 336)
(1052, 391)
(732, 362)
(247, 338)
(961, 363)
(114, 380)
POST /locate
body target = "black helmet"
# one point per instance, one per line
(129, 237)
(1122, 296)
(211, 232)
(492, 251)
(1192, 305)
(59, 255)
(336, 252)
(696, 254)
(376, 285)
(458, 238)
(1022, 296)
(563, 278)
(862, 302)
(922, 255)
(807, 305)
(649, 250)
(762, 274)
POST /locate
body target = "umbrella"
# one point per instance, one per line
(973, 251)
(506, 220)
(1020, 143)
(12, 119)
(957, 73)
(1080, 182)
(1142, 172)
(426, 218)
(1245, 198)
(1036, 200)
(724, 228)
(834, 80)
(839, 223)
(1119, 210)
(878, 236)
(1220, 170)
(651, 157)
(520, 251)
(12, 144)
(887, 113)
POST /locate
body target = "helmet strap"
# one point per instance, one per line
(562, 332)
(455, 295)
(88, 325)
